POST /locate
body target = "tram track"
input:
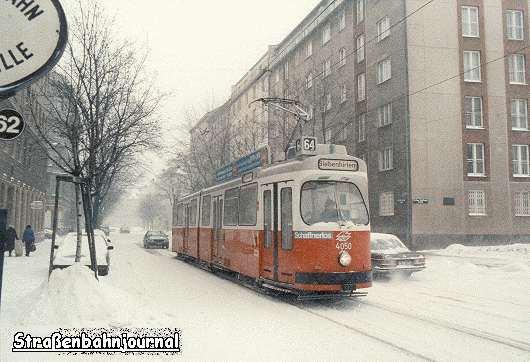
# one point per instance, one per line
(491, 337)
(364, 333)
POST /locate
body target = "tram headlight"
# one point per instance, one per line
(344, 258)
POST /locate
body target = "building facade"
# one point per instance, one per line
(433, 95)
(23, 176)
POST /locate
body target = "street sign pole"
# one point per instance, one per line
(3, 225)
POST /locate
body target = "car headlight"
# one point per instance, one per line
(344, 258)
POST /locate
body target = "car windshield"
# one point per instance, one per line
(157, 235)
(332, 202)
(385, 242)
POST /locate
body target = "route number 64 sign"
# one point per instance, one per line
(11, 124)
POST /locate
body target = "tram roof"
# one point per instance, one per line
(300, 163)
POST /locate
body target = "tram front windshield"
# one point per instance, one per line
(332, 202)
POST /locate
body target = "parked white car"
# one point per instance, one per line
(391, 256)
(64, 255)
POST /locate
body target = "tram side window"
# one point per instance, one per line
(174, 215)
(180, 215)
(193, 212)
(206, 205)
(247, 205)
(267, 218)
(231, 206)
(287, 218)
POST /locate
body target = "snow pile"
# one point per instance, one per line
(459, 249)
(73, 297)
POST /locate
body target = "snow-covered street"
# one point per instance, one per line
(469, 304)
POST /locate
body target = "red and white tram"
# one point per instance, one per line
(300, 226)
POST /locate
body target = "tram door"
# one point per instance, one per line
(217, 232)
(185, 240)
(269, 255)
(277, 228)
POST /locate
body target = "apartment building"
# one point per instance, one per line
(22, 177)
(433, 95)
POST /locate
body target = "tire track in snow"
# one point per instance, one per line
(506, 341)
(364, 333)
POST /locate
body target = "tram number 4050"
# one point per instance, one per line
(343, 246)
(11, 124)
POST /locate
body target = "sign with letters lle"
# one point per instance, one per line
(33, 38)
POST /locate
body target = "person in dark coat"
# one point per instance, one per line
(29, 239)
(330, 213)
(11, 236)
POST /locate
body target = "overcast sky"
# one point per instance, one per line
(200, 48)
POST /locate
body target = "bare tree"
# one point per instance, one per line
(152, 211)
(100, 106)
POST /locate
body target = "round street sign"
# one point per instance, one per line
(33, 39)
(11, 124)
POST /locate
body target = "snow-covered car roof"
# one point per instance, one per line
(386, 244)
(65, 254)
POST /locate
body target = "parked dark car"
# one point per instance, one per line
(390, 257)
(156, 239)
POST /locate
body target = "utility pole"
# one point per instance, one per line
(3, 225)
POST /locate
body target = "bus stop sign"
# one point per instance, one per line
(33, 38)
(11, 124)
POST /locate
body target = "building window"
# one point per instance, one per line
(386, 161)
(477, 202)
(342, 20)
(520, 114)
(361, 87)
(472, 66)
(470, 27)
(386, 204)
(362, 127)
(516, 64)
(520, 160)
(326, 33)
(309, 80)
(384, 70)
(342, 57)
(326, 68)
(383, 28)
(286, 70)
(343, 93)
(515, 25)
(360, 11)
(384, 115)
(475, 159)
(360, 48)
(473, 112)
(309, 48)
(522, 203)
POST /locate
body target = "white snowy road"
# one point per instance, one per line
(470, 304)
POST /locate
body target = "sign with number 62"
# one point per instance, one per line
(11, 124)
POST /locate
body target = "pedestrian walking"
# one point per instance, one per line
(29, 240)
(11, 236)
